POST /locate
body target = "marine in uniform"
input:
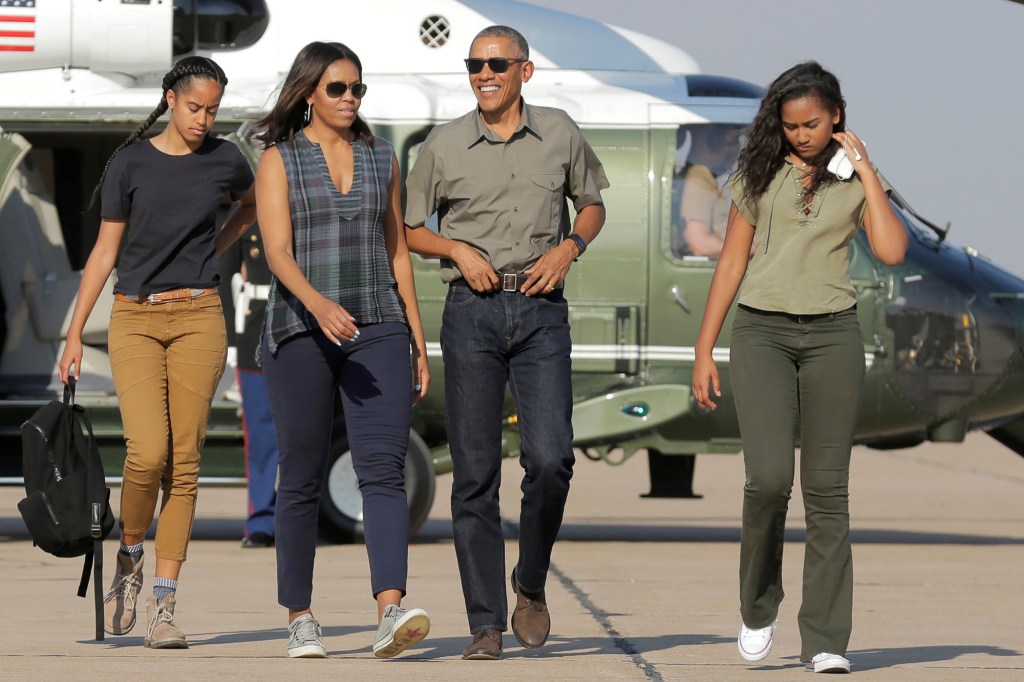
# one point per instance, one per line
(249, 289)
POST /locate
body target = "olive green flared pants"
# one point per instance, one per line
(798, 375)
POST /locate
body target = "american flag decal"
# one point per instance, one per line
(17, 25)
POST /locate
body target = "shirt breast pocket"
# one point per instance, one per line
(548, 192)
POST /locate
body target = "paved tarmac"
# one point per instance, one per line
(640, 589)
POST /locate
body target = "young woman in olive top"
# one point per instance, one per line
(796, 355)
(167, 337)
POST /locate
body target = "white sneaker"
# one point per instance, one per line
(755, 645)
(399, 630)
(829, 663)
(304, 639)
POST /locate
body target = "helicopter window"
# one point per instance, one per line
(218, 24)
(705, 156)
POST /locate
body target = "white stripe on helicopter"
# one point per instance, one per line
(583, 351)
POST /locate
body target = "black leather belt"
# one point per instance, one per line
(790, 316)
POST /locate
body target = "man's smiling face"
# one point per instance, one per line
(498, 92)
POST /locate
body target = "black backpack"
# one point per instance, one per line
(67, 510)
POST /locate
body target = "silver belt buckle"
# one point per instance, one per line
(509, 281)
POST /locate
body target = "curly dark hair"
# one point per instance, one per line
(767, 147)
(289, 113)
(180, 79)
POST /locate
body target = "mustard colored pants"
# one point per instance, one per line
(166, 359)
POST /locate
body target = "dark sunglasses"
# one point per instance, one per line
(496, 64)
(336, 89)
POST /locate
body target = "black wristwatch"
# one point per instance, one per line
(579, 242)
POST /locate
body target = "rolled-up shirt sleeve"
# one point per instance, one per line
(424, 190)
(586, 176)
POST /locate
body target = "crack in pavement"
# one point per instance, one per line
(511, 529)
(601, 616)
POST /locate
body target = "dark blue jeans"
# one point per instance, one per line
(375, 376)
(490, 341)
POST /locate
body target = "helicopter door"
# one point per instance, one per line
(690, 209)
(607, 287)
(605, 338)
(13, 149)
(36, 280)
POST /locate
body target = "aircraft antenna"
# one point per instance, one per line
(902, 203)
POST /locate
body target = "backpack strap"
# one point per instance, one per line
(83, 584)
(69, 390)
(94, 564)
(97, 587)
(94, 559)
(94, 470)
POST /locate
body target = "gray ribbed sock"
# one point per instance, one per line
(163, 587)
(134, 551)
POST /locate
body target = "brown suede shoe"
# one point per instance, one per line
(162, 632)
(486, 646)
(120, 603)
(531, 621)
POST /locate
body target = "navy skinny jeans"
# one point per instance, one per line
(490, 341)
(374, 373)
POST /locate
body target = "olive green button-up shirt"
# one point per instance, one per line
(801, 256)
(505, 198)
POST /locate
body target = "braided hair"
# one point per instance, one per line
(767, 147)
(289, 113)
(185, 73)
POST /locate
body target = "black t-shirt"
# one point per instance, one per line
(171, 205)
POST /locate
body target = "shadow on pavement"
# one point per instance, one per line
(660, 533)
(202, 639)
(440, 531)
(556, 647)
(873, 659)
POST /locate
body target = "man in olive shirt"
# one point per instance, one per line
(498, 179)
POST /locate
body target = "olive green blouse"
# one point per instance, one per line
(801, 256)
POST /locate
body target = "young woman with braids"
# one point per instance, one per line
(796, 355)
(340, 311)
(167, 337)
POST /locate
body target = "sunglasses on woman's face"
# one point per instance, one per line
(336, 89)
(496, 64)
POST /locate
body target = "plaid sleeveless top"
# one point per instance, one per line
(338, 239)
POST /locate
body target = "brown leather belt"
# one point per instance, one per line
(508, 281)
(167, 296)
